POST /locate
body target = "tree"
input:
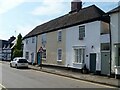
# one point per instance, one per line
(17, 52)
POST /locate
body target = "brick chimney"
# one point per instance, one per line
(76, 5)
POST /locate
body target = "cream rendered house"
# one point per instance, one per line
(74, 39)
(54, 51)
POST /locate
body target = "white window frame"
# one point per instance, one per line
(33, 39)
(43, 39)
(59, 36)
(58, 55)
(82, 56)
(26, 55)
(27, 41)
(81, 32)
(43, 53)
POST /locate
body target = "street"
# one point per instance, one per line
(28, 78)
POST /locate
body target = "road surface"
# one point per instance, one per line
(28, 78)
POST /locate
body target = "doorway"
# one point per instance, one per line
(93, 62)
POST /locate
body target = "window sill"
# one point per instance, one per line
(77, 63)
(44, 59)
(59, 60)
(59, 41)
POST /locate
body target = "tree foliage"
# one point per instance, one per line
(17, 52)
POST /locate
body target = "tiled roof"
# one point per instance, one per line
(85, 15)
(117, 9)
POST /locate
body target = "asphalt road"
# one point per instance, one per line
(28, 78)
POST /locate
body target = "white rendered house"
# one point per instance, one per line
(85, 48)
(29, 49)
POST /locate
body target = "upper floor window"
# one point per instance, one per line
(27, 55)
(59, 36)
(105, 46)
(33, 40)
(26, 41)
(81, 32)
(44, 39)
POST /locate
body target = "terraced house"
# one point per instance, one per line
(78, 38)
(115, 32)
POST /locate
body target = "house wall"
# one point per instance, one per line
(114, 23)
(6, 53)
(0, 49)
(92, 38)
(52, 45)
(105, 37)
(30, 47)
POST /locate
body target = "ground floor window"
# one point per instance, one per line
(44, 54)
(32, 56)
(27, 55)
(79, 55)
(59, 58)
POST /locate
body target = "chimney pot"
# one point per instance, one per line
(76, 5)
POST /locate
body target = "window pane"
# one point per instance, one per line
(33, 40)
(79, 55)
(44, 54)
(27, 55)
(81, 32)
(43, 39)
(59, 35)
(59, 54)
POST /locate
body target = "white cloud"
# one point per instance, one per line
(24, 29)
(6, 5)
(50, 7)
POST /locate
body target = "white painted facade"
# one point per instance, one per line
(30, 47)
(0, 49)
(115, 26)
(91, 43)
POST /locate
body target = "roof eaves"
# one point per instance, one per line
(75, 24)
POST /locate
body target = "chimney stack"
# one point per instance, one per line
(76, 5)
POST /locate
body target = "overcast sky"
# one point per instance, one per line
(21, 16)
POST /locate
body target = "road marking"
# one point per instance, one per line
(2, 86)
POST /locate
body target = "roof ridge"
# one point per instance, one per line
(116, 9)
(68, 20)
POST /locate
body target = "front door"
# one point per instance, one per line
(32, 58)
(92, 62)
(38, 58)
(105, 66)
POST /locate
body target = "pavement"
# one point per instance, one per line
(79, 76)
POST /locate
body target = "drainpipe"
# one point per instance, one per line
(36, 49)
(110, 35)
